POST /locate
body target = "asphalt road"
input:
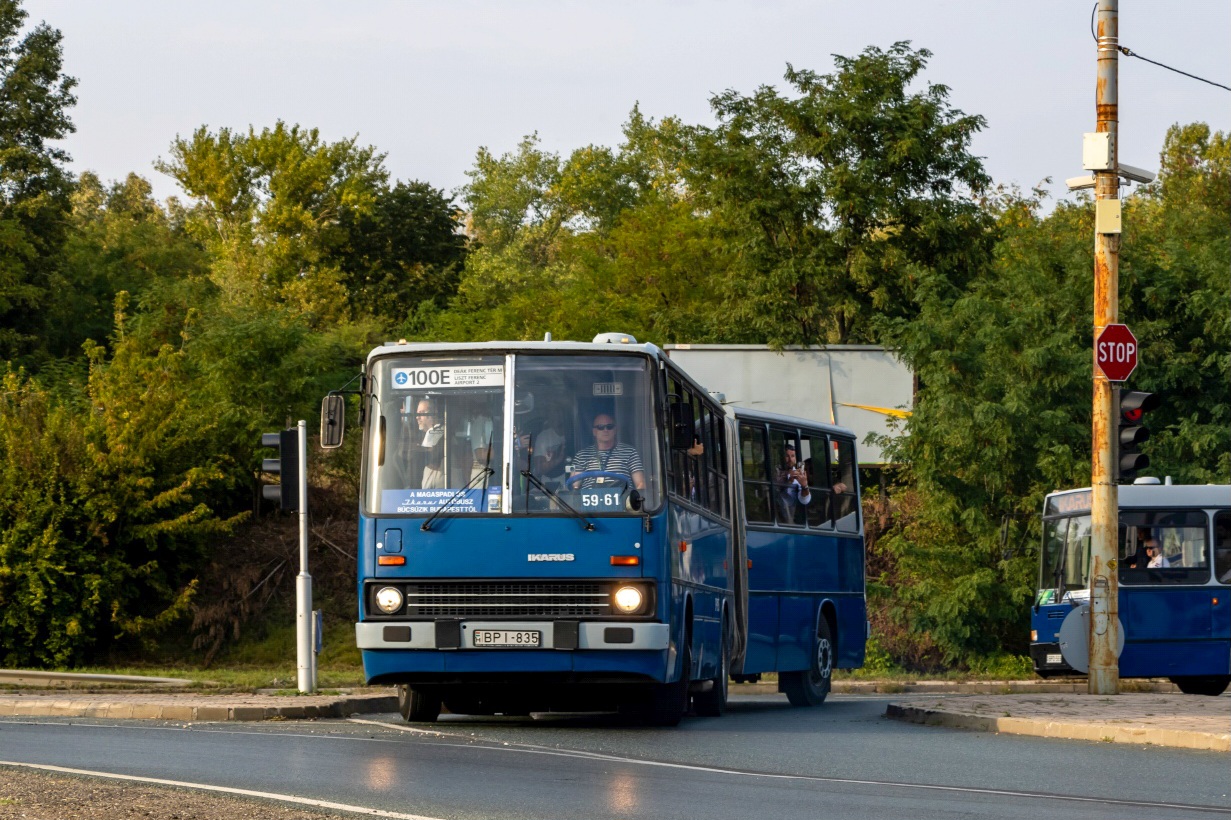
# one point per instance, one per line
(762, 760)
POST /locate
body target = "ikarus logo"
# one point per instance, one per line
(550, 556)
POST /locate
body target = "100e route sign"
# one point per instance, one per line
(1115, 352)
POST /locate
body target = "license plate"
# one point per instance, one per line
(1055, 659)
(507, 638)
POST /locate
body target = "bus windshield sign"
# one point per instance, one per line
(444, 378)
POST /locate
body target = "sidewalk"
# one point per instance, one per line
(194, 706)
(1183, 721)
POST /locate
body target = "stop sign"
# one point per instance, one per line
(1115, 352)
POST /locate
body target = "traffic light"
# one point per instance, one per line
(286, 465)
(1133, 407)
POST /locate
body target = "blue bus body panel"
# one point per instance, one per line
(1171, 631)
(1168, 631)
(501, 546)
(700, 548)
(793, 574)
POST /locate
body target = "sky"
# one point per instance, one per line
(428, 83)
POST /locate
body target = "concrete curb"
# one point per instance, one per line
(929, 687)
(1068, 730)
(196, 708)
(35, 677)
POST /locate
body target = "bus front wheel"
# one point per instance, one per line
(713, 702)
(669, 701)
(417, 706)
(1212, 686)
(811, 686)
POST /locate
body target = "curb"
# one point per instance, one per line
(1105, 732)
(1077, 686)
(196, 710)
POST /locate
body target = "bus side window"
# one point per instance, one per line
(756, 477)
(815, 452)
(842, 470)
(1222, 547)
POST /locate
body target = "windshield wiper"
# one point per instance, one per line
(552, 494)
(426, 526)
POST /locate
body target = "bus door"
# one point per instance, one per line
(1220, 612)
(1166, 595)
(766, 551)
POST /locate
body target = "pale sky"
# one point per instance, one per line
(428, 83)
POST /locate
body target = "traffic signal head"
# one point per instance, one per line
(1132, 433)
(286, 465)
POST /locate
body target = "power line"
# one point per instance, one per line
(1130, 53)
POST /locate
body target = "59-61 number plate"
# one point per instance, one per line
(506, 638)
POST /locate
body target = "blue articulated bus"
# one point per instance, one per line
(1174, 571)
(558, 526)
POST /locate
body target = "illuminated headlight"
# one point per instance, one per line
(628, 600)
(388, 599)
(1034, 635)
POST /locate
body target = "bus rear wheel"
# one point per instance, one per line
(811, 686)
(1212, 686)
(417, 706)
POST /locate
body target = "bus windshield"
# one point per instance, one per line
(436, 437)
(584, 435)
(1066, 557)
(574, 431)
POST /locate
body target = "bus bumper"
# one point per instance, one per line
(1048, 660)
(558, 635)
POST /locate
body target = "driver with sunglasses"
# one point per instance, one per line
(607, 455)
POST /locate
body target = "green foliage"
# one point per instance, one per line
(119, 239)
(1003, 412)
(34, 102)
(605, 239)
(270, 207)
(846, 203)
(1174, 295)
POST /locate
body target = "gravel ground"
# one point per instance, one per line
(26, 794)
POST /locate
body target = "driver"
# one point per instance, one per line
(608, 456)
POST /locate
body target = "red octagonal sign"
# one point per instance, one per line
(1115, 352)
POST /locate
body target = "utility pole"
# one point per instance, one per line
(1104, 675)
(305, 660)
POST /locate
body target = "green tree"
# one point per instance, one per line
(34, 185)
(405, 252)
(119, 239)
(269, 207)
(850, 201)
(1004, 408)
(607, 238)
(1174, 295)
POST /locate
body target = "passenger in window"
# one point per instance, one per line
(608, 456)
(549, 458)
(432, 444)
(1154, 552)
(793, 491)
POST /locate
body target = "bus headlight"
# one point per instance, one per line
(628, 600)
(388, 600)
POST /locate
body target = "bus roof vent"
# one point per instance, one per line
(614, 339)
(1146, 479)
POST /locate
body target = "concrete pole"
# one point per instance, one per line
(304, 661)
(1104, 677)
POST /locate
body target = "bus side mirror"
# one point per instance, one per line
(682, 427)
(333, 421)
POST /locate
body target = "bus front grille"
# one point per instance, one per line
(510, 599)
